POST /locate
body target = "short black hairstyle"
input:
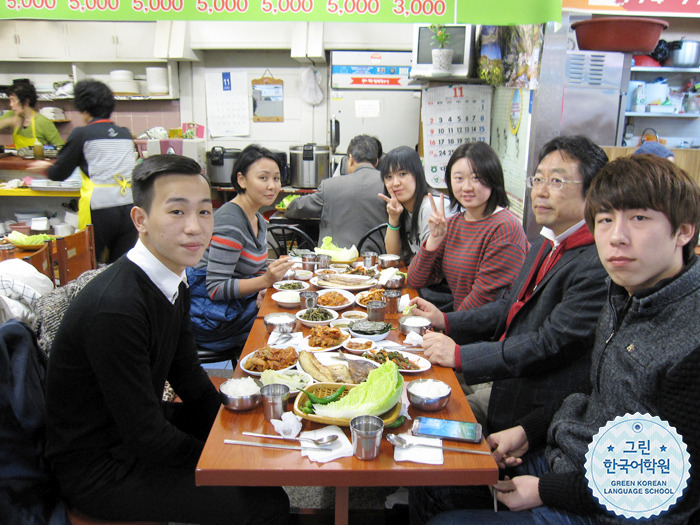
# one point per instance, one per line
(25, 93)
(364, 148)
(146, 173)
(94, 97)
(591, 157)
(405, 158)
(487, 168)
(249, 156)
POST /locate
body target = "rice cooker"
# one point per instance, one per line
(309, 165)
(220, 162)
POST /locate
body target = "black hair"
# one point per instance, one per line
(25, 93)
(364, 148)
(591, 157)
(95, 98)
(249, 156)
(486, 167)
(146, 173)
(405, 158)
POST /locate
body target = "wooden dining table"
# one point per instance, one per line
(236, 465)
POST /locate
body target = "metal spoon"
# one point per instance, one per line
(400, 442)
(321, 442)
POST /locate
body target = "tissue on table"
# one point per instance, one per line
(413, 339)
(341, 448)
(296, 338)
(427, 455)
(289, 426)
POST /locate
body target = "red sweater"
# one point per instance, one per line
(477, 258)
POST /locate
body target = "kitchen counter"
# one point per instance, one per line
(15, 163)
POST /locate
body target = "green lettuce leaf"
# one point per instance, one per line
(337, 254)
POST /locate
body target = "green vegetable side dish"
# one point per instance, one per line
(316, 314)
(295, 285)
(365, 327)
(21, 239)
(324, 400)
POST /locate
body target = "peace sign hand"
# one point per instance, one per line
(437, 224)
(393, 207)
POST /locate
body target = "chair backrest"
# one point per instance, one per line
(42, 260)
(373, 239)
(75, 254)
(282, 238)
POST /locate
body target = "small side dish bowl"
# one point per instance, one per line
(395, 282)
(354, 315)
(430, 395)
(358, 345)
(388, 260)
(343, 324)
(281, 322)
(374, 337)
(325, 271)
(238, 403)
(414, 323)
(303, 275)
(311, 324)
(286, 299)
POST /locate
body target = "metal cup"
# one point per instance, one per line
(366, 436)
(376, 310)
(323, 261)
(308, 262)
(274, 398)
(308, 299)
(7, 251)
(369, 258)
(392, 298)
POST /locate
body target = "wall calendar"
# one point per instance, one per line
(452, 114)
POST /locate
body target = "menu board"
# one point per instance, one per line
(452, 114)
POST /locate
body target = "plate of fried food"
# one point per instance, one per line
(361, 269)
(344, 281)
(335, 298)
(269, 358)
(324, 339)
(336, 367)
(375, 294)
(407, 362)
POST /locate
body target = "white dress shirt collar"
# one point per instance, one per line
(166, 281)
(557, 239)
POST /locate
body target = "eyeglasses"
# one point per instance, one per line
(554, 183)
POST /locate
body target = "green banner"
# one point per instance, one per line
(493, 12)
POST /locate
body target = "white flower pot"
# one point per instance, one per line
(442, 60)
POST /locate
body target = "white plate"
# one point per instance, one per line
(277, 285)
(257, 374)
(422, 362)
(360, 296)
(358, 340)
(350, 297)
(311, 324)
(286, 302)
(333, 359)
(364, 286)
(317, 349)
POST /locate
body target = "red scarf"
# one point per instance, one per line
(543, 264)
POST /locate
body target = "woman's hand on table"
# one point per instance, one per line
(260, 297)
(428, 310)
(439, 349)
(394, 209)
(437, 223)
(39, 167)
(276, 269)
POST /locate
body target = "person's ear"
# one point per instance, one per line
(139, 217)
(686, 231)
(241, 180)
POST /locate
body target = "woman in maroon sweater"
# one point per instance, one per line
(480, 250)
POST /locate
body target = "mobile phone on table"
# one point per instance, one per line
(447, 429)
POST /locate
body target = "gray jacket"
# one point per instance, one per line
(348, 206)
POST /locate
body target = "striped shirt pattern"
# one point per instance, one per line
(234, 252)
(477, 258)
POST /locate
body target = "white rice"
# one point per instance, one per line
(243, 386)
(415, 320)
(430, 388)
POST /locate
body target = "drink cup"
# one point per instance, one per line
(366, 436)
(392, 298)
(274, 398)
(323, 261)
(376, 310)
(308, 299)
(308, 262)
(369, 259)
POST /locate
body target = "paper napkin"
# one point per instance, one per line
(430, 456)
(295, 340)
(413, 339)
(289, 426)
(403, 302)
(340, 448)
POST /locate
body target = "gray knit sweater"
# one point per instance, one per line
(646, 359)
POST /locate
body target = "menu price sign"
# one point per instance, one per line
(408, 11)
(452, 115)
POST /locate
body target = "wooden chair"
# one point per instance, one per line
(42, 260)
(75, 254)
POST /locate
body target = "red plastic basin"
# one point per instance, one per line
(624, 34)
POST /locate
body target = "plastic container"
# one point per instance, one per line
(21, 227)
(624, 34)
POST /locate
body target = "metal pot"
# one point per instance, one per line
(309, 165)
(220, 162)
(684, 53)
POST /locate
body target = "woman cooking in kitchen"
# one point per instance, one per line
(28, 127)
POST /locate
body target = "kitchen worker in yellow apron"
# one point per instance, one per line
(105, 155)
(28, 127)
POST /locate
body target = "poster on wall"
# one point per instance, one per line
(452, 114)
(227, 103)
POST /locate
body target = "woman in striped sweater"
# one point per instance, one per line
(480, 250)
(225, 283)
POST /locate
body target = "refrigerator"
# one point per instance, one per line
(371, 93)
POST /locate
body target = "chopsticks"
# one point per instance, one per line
(264, 445)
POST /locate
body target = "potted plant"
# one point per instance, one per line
(442, 56)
